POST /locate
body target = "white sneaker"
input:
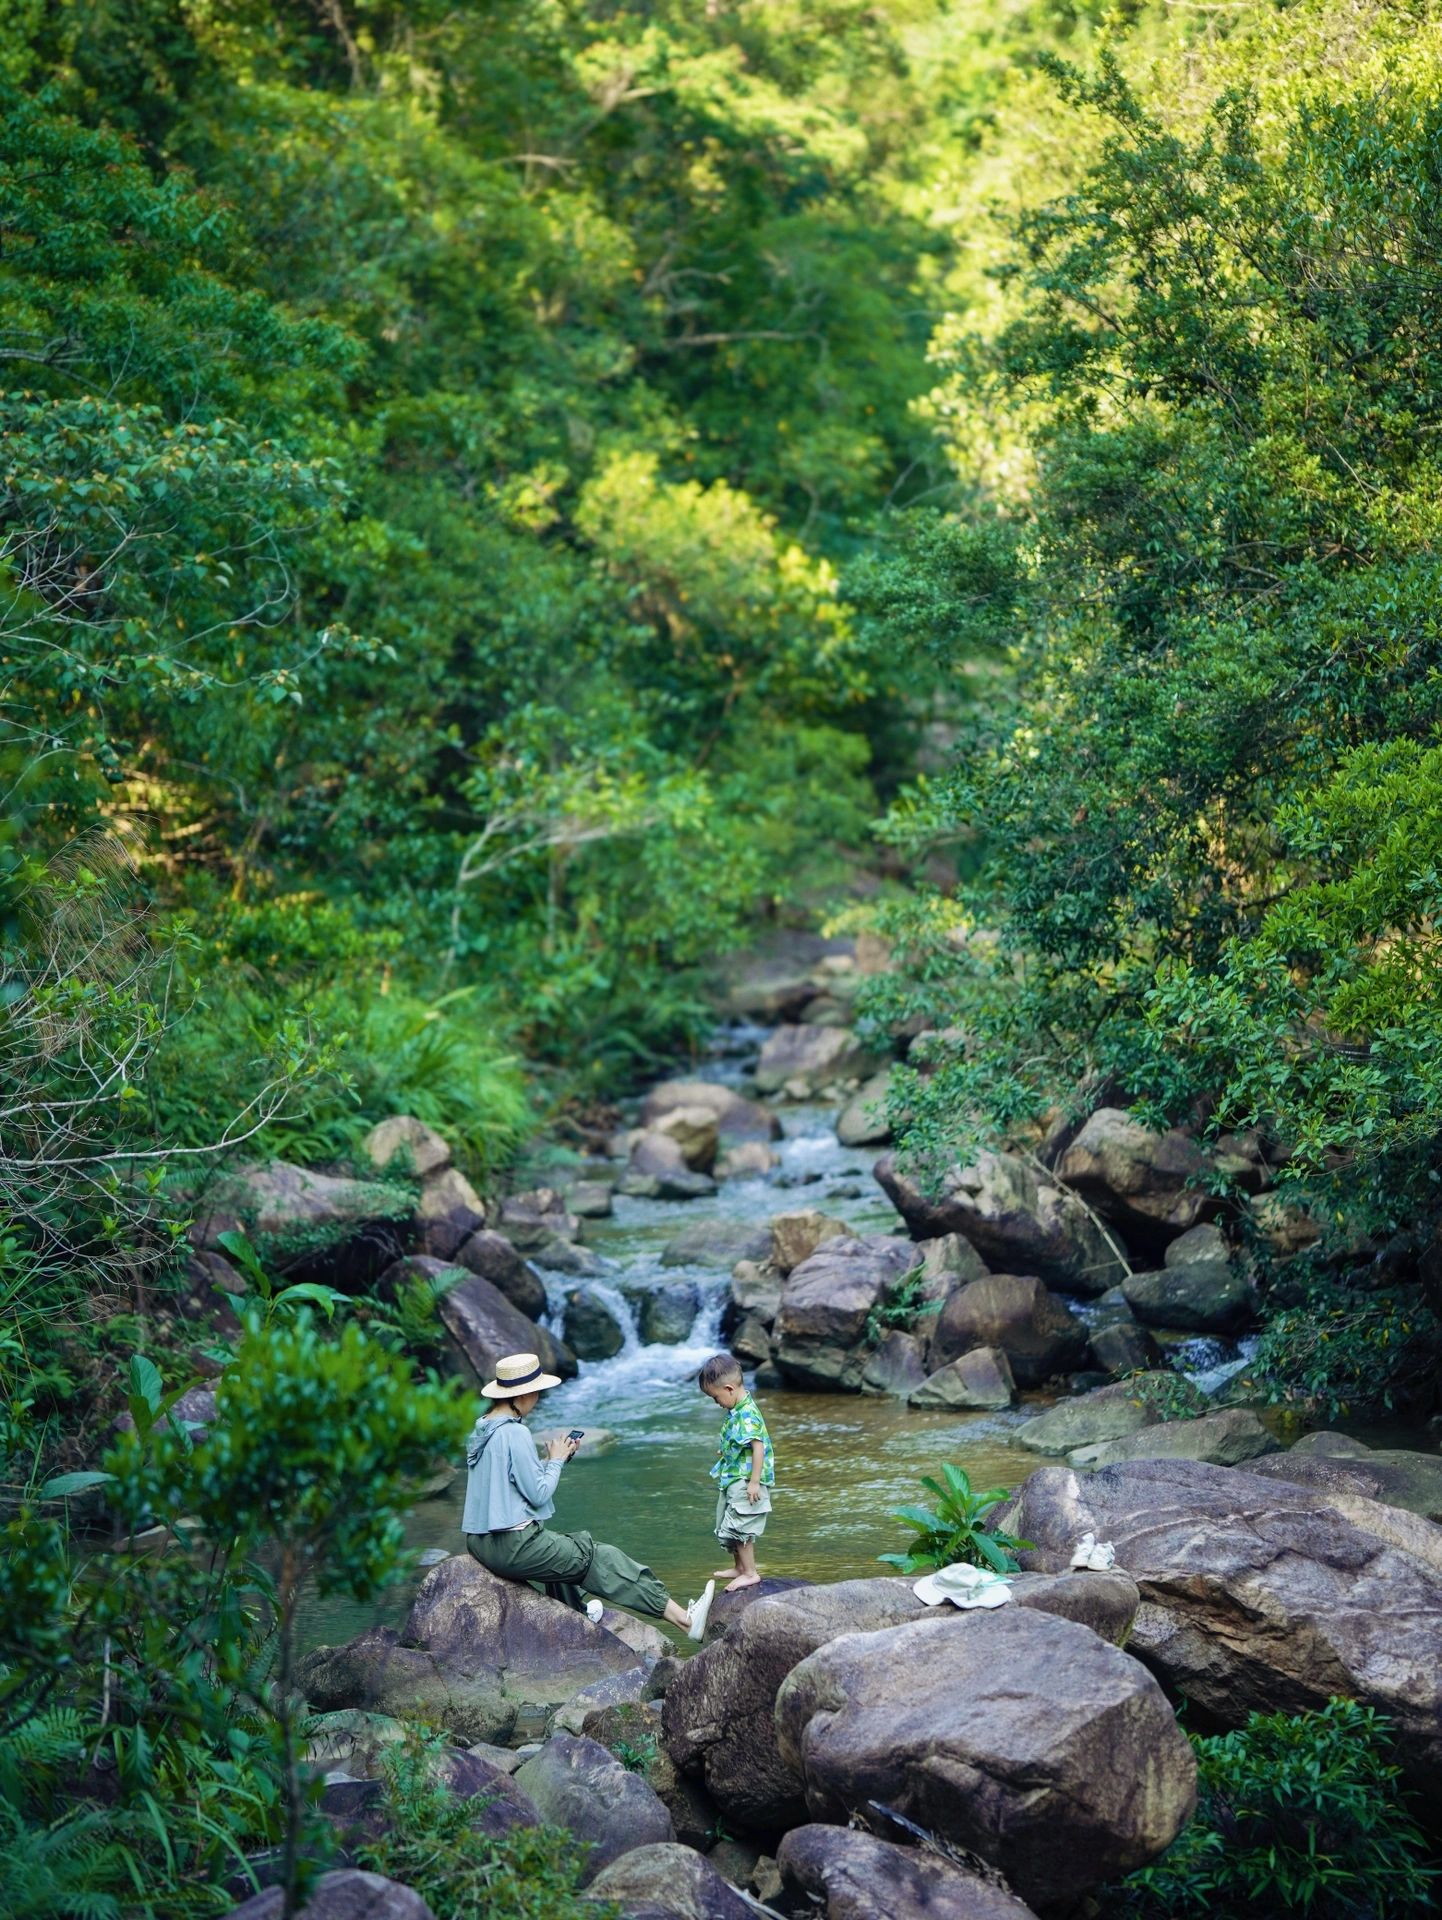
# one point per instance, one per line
(594, 1610)
(700, 1612)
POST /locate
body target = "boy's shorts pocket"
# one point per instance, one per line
(737, 1502)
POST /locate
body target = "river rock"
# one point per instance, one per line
(695, 1132)
(747, 1160)
(575, 1783)
(845, 1875)
(825, 1305)
(194, 1410)
(736, 1118)
(806, 1059)
(862, 1122)
(1286, 1229)
(1336, 1463)
(592, 1330)
(351, 1742)
(896, 1364)
(658, 1171)
(403, 1144)
(486, 1659)
(1039, 1335)
(1225, 1438)
(532, 1221)
(1124, 1347)
(1025, 1738)
(718, 1713)
(755, 1290)
(616, 1691)
(669, 1313)
(979, 1380)
(952, 1259)
(796, 1236)
(344, 1894)
(1109, 1413)
(447, 1211)
(668, 1882)
(1259, 1596)
(486, 1327)
(308, 1227)
(750, 1341)
(492, 1256)
(716, 1243)
(1153, 1184)
(1206, 1296)
(1204, 1243)
(1018, 1220)
(590, 1199)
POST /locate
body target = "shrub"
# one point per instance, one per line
(957, 1531)
(1347, 1352)
(901, 1305)
(1296, 1814)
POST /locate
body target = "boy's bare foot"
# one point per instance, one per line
(743, 1580)
(720, 1573)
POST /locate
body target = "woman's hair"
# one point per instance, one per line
(721, 1370)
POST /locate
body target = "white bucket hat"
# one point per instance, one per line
(963, 1586)
(518, 1373)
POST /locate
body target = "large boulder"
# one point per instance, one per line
(667, 1314)
(1123, 1348)
(492, 1256)
(716, 1243)
(592, 1330)
(668, 1882)
(1153, 1184)
(1109, 1413)
(841, 1874)
(695, 1132)
(345, 1894)
(448, 1212)
(719, 1712)
(979, 1381)
(1335, 1463)
(736, 1117)
(896, 1364)
(1025, 1738)
(1017, 1219)
(404, 1144)
(803, 1060)
(1225, 1438)
(533, 1220)
(755, 1294)
(308, 1226)
(826, 1303)
(574, 1782)
(1260, 1596)
(862, 1122)
(486, 1327)
(486, 1659)
(1038, 1333)
(1207, 1296)
(796, 1236)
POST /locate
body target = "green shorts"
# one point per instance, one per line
(737, 1521)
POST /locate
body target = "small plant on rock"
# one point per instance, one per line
(957, 1530)
(900, 1306)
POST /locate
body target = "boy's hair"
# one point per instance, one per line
(721, 1370)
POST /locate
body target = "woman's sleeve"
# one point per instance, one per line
(532, 1477)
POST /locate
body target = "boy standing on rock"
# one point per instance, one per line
(745, 1468)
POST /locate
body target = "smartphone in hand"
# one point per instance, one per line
(576, 1435)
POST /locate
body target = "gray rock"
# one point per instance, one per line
(592, 1331)
(1204, 1297)
(195, 1410)
(1260, 1595)
(616, 1690)
(694, 1131)
(810, 1058)
(1153, 1184)
(747, 1160)
(1336, 1463)
(486, 1327)
(1203, 1243)
(668, 1882)
(491, 1256)
(1039, 1335)
(1018, 1220)
(846, 1875)
(1124, 1347)
(448, 1211)
(716, 1243)
(308, 1226)
(750, 1341)
(862, 1122)
(346, 1894)
(352, 1741)
(825, 1305)
(569, 1256)
(896, 1364)
(796, 1236)
(590, 1199)
(403, 1144)
(1226, 1439)
(575, 1783)
(486, 1659)
(979, 1380)
(669, 1313)
(532, 1220)
(1024, 1738)
(658, 1171)
(951, 1258)
(736, 1118)
(1110, 1413)
(756, 1290)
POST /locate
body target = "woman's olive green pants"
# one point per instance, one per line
(568, 1566)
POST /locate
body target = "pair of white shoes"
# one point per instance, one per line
(699, 1610)
(1091, 1555)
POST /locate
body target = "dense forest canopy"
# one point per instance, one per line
(502, 502)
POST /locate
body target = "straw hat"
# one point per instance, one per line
(518, 1373)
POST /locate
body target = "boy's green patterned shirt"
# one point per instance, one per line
(742, 1425)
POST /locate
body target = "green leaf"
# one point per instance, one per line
(146, 1384)
(65, 1484)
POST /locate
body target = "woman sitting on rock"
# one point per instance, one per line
(508, 1500)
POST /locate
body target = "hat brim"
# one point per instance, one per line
(498, 1390)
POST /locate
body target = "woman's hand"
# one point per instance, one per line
(561, 1448)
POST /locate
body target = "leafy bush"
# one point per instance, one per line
(957, 1530)
(1346, 1352)
(1296, 1814)
(901, 1305)
(430, 1843)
